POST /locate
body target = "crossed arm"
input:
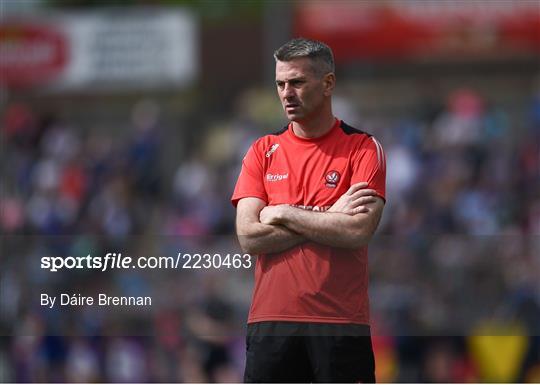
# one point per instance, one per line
(349, 223)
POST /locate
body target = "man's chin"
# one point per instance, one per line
(294, 117)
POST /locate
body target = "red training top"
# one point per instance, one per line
(311, 282)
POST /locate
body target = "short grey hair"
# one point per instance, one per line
(320, 54)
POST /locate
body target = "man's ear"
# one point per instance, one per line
(329, 82)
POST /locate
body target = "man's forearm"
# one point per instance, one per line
(328, 228)
(266, 239)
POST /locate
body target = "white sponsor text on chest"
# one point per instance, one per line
(276, 177)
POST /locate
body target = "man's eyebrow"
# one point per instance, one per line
(298, 78)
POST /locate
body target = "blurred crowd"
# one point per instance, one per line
(455, 268)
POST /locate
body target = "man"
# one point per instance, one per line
(308, 200)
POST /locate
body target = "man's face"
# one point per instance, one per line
(301, 91)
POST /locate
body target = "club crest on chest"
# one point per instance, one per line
(332, 178)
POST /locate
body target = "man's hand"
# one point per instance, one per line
(354, 201)
(349, 223)
(270, 215)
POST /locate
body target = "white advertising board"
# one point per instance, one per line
(107, 49)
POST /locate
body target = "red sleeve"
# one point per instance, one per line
(370, 166)
(250, 182)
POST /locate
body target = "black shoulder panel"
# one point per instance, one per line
(349, 130)
(282, 131)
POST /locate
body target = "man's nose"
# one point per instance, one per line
(288, 91)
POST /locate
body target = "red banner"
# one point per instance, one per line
(30, 54)
(422, 29)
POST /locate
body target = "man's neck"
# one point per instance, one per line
(311, 129)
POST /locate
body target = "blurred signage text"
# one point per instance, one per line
(103, 49)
